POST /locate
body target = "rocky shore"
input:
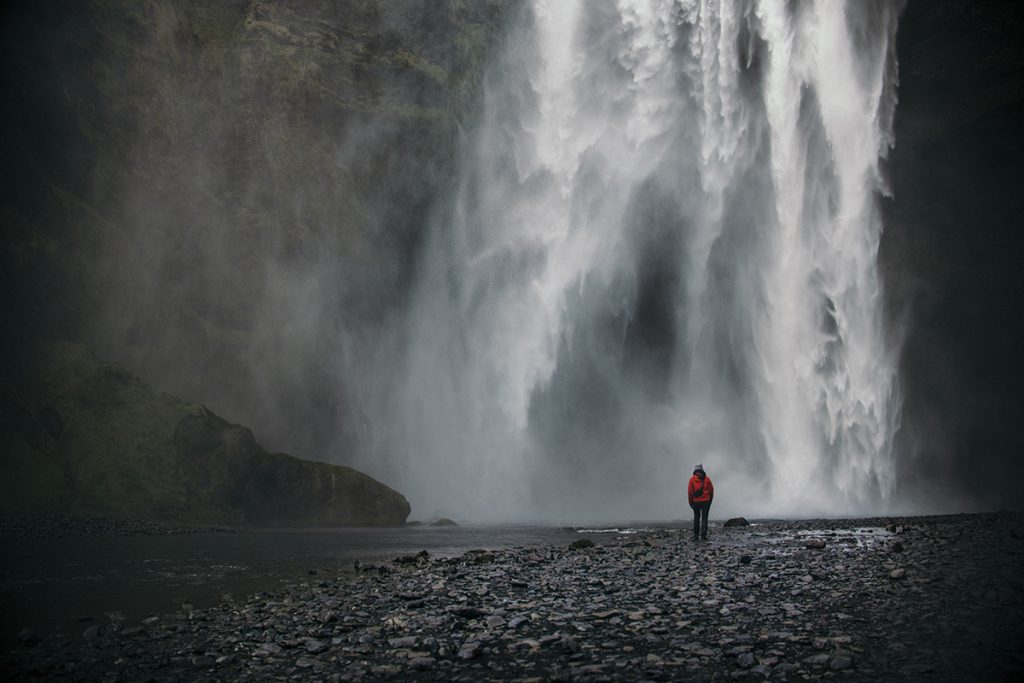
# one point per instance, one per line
(871, 599)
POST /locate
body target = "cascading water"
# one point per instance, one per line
(662, 250)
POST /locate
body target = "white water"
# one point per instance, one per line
(662, 250)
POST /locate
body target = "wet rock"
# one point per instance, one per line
(569, 644)
(422, 663)
(818, 660)
(840, 660)
(404, 642)
(516, 622)
(897, 574)
(746, 660)
(470, 650)
(28, 635)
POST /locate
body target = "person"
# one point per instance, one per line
(700, 493)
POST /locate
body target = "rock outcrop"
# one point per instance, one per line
(92, 438)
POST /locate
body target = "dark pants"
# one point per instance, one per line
(700, 520)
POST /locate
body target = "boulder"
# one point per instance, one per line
(736, 521)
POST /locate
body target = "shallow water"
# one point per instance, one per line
(70, 584)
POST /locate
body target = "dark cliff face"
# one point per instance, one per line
(950, 254)
(229, 196)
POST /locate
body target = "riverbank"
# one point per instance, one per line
(937, 597)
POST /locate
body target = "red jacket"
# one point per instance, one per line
(700, 490)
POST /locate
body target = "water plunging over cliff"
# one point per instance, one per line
(661, 251)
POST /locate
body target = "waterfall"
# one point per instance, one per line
(661, 250)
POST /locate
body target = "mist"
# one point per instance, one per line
(529, 261)
(661, 252)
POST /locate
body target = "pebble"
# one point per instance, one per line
(840, 660)
(28, 635)
(469, 650)
(649, 605)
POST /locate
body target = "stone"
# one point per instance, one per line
(422, 663)
(736, 521)
(28, 635)
(469, 650)
(581, 543)
(406, 642)
(817, 660)
(840, 660)
(897, 574)
(569, 644)
(815, 543)
(516, 622)
(746, 660)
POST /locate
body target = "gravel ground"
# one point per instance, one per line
(897, 599)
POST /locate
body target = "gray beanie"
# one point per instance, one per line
(698, 468)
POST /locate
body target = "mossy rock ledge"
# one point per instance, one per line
(91, 438)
